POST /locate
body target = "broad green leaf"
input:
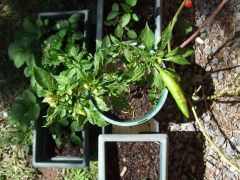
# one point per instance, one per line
(126, 7)
(135, 17)
(166, 36)
(94, 117)
(119, 31)
(106, 42)
(75, 127)
(112, 15)
(157, 80)
(132, 34)
(115, 7)
(128, 55)
(125, 19)
(98, 61)
(178, 60)
(101, 104)
(18, 54)
(44, 78)
(63, 24)
(114, 40)
(147, 37)
(131, 2)
(75, 139)
(24, 111)
(56, 130)
(74, 18)
(63, 122)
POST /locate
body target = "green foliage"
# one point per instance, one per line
(24, 111)
(74, 85)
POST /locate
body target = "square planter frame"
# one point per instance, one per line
(161, 138)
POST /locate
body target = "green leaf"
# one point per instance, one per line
(101, 104)
(135, 17)
(119, 31)
(157, 80)
(24, 110)
(44, 78)
(125, 19)
(75, 127)
(132, 34)
(98, 61)
(115, 7)
(180, 51)
(126, 7)
(94, 117)
(18, 54)
(112, 15)
(74, 18)
(56, 130)
(106, 42)
(63, 122)
(114, 40)
(128, 55)
(147, 37)
(131, 2)
(75, 139)
(178, 60)
(166, 35)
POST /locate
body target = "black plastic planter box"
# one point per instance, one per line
(43, 143)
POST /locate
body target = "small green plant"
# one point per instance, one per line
(69, 85)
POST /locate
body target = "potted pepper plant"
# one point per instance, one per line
(48, 49)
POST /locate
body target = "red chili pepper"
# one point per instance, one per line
(188, 4)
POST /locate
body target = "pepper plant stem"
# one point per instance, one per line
(174, 20)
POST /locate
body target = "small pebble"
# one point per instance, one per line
(220, 75)
(199, 40)
(237, 69)
(215, 61)
(207, 50)
(190, 127)
(208, 68)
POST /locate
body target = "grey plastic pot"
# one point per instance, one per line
(43, 143)
(161, 138)
(161, 101)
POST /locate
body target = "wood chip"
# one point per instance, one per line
(123, 171)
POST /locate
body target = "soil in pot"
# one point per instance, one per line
(133, 105)
(68, 148)
(132, 160)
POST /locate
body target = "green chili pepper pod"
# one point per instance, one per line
(175, 90)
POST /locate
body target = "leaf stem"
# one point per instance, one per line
(209, 140)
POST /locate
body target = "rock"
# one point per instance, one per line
(229, 149)
(209, 165)
(190, 127)
(208, 68)
(207, 50)
(207, 118)
(237, 69)
(221, 141)
(199, 40)
(215, 61)
(220, 75)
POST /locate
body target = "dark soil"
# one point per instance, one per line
(132, 160)
(137, 102)
(68, 148)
